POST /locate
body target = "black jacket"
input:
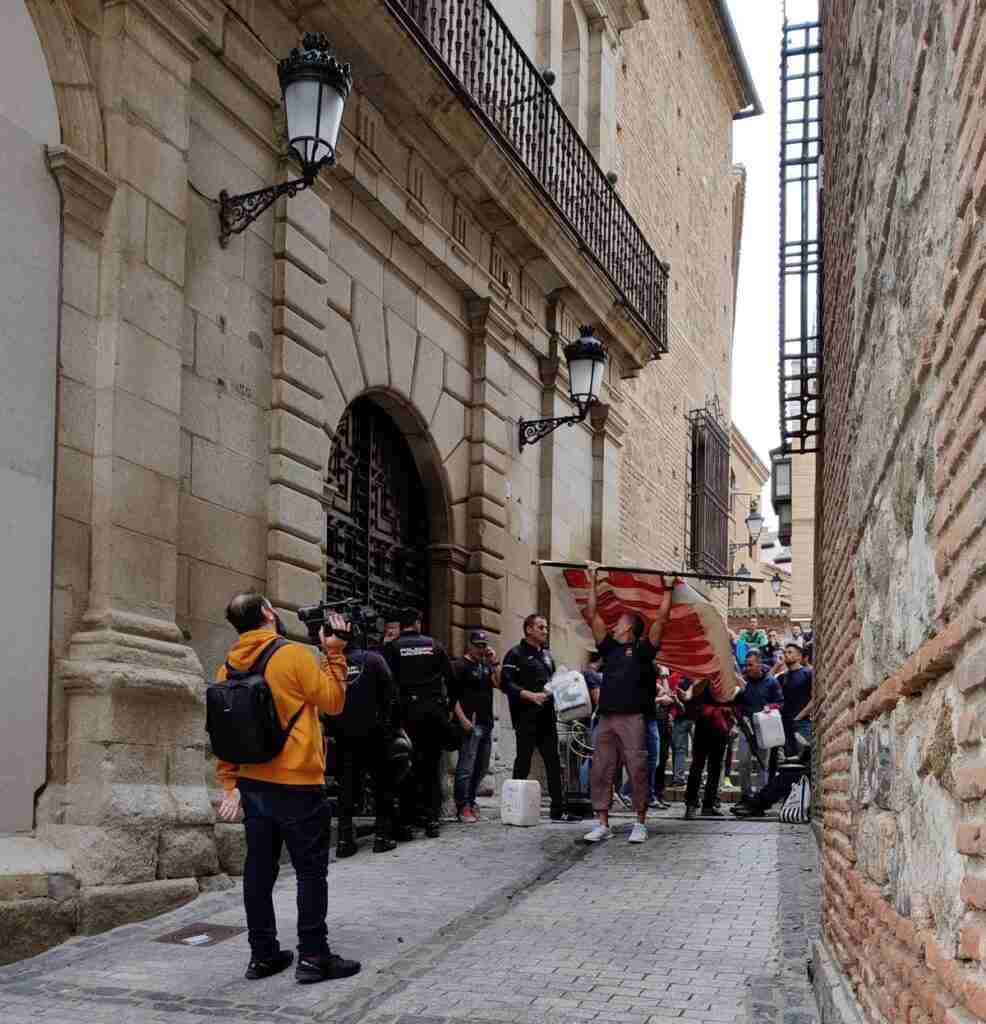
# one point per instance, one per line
(420, 666)
(526, 668)
(370, 694)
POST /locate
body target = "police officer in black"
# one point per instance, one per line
(361, 735)
(526, 668)
(423, 674)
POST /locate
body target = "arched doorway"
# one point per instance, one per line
(377, 527)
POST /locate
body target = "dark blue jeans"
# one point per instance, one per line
(473, 764)
(300, 819)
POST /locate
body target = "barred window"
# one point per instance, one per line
(708, 491)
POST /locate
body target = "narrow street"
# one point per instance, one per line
(709, 921)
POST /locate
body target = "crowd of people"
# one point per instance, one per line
(405, 702)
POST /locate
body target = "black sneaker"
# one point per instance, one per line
(691, 813)
(565, 816)
(712, 812)
(747, 811)
(403, 833)
(433, 830)
(384, 845)
(346, 848)
(327, 967)
(268, 968)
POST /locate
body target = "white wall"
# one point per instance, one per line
(29, 284)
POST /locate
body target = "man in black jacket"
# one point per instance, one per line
(423, 674)
(526, 669)
(361, 735)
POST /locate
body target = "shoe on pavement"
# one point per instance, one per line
(661, 805)
(403, 833)
(691, 813)
(468, 816)
(384, 845)
(258, 969)
(565, 816)
(598, 834)
(327, 967)
(433, 830)
(625, 800)
(346, 848)
(638, 834)
(747, 811)
(476, 814)
(712, 812)
(727, 783)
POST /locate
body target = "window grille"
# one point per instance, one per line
(800, 249)
(707, 525)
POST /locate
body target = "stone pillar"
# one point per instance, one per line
(306, 405)
(607, 455)
(489, 438)
(130, 803)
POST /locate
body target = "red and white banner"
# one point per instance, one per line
(695, 641)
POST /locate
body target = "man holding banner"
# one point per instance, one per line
(627, 688)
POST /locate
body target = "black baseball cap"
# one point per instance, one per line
(479, 638)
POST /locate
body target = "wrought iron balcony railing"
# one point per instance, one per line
(473, 47)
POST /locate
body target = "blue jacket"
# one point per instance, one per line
(758, 694)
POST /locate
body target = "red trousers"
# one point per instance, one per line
(619, 736)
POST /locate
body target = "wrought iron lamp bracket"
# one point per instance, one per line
(532, 431)
(236, 213)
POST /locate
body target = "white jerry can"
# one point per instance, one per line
(769, 729)
(520, 802)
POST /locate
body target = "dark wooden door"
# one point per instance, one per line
(377, 522)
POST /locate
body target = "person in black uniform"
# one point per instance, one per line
(423, 674)
(525, 670)
(362, 733)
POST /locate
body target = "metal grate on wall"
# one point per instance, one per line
(707, 512)
(800, 244)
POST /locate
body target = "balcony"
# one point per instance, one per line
(472, 47)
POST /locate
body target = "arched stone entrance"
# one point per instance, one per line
(377, 530)
(387, 513)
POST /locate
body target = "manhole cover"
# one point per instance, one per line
(200, 934)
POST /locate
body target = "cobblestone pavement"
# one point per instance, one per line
(708, 921)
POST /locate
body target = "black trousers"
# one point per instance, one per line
(358, 757)
(538, 729)
(664, 736)
(299, 818)
(420, 794)
(708, 749)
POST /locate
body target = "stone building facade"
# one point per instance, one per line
(900, 600)
(206, 395)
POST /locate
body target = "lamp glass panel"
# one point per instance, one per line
(597, 378)
(580, 378)
(301, 107)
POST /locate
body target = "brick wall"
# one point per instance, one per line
(900, 600)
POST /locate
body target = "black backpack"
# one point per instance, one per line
(241, 717)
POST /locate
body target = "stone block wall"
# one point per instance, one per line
(900, 602)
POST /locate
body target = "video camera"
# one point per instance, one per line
(360, 617)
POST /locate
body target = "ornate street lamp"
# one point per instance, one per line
(754, 523)
(776, 583)
(315, 87)
(743, 571)
(586, 360)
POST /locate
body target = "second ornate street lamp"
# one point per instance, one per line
(586, 360)
(776, 583)
(754, 523)
(315, 87)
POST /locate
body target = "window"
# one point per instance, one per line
(708, 490)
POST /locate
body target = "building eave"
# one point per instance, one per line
(752, 107)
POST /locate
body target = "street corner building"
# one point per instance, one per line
(900, 594)
(327, 401)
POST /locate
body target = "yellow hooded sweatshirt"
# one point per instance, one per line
(295, 679)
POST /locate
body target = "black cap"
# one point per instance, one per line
(479, 638)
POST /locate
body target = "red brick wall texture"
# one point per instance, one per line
(901, 549)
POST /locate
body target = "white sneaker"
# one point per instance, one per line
(638, 834)
(598, 834)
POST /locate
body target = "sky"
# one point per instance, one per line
(756, 145)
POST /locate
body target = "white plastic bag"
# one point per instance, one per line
(769, 729)
(570, 694)
(797, 806)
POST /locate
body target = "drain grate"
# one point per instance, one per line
(200, 934)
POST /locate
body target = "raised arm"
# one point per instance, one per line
(592, 617)
(662, 616)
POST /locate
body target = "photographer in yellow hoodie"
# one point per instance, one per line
(283, 799)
